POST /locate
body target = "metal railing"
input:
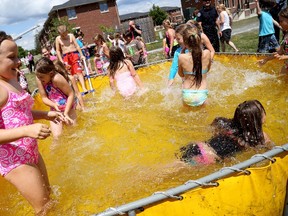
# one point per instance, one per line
(133, 207)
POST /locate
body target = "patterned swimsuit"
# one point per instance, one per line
(16, 113)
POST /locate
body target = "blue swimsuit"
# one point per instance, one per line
(194, 97)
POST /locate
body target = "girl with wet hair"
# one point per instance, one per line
(193, 68)
(56, 93)
(122, 70)
(248, 118)
(230, 135)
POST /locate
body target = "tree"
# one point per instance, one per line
(158, 15)
(21, 52)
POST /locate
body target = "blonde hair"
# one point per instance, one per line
(99, 37)
(167, 23)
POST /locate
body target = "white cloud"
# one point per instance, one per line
(17, 16)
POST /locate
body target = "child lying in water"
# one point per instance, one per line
(231, 135)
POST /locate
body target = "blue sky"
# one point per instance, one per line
(14, 21)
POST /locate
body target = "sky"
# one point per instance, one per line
(18, 16)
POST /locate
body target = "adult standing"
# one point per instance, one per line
(134, 29)
(207, 17)
(31, 61)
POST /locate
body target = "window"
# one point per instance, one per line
(71, 13)
(103, 7)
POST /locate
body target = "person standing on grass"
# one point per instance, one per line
(267, 40)
(225, 21)
(31, 62)
(207, 18)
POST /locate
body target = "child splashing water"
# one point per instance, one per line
(20, 162)
(231, 135)
(56, 93)
(60, 68)
(122, 70)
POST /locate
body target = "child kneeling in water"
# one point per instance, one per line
(122, 70)
(56, 93)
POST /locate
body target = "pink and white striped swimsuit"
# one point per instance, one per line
(16, 113)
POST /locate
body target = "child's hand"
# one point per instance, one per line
(38, 131)
(56, 117)
(55, 106)
(280, 57)
(261, 62)
(68, 120)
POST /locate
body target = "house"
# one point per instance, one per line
(174, 13)
(240, 9)
(87, 15)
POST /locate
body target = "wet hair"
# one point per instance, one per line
(248, 121)
(195, 23)
(224, 145)
(284, 13)
(192, 41)
(180, 29)
(189, 151)
(116, 58)
(4, 36)
(61, 29)
(223, 126)
(44, 65)
(99, 37)
(60, 68)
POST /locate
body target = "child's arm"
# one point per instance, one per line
(206, 42)
(174, 67)
(134, 74)
(108, 37)
(277, 24)
(61, 83)
(180, 69)
(58, 49)
(265, 60)
(171, 40)
(258, 9)
(44, 96)
(111, 82)
(37, 131)
(106, 50)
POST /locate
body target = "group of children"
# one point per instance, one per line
(19, 134)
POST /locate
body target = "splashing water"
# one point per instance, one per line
(122, 150)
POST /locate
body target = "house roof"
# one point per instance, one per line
(144, 14)
(73, 3)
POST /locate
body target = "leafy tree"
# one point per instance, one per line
(106, 30)
(157, 14)
(21, 52)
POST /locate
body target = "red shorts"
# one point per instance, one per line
(73, 60)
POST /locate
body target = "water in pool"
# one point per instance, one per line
(121, 150)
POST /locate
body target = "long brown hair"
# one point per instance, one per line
(192, 40)
(117, 60)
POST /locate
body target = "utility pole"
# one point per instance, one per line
(31, 29)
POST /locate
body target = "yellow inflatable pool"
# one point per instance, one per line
(122, 151)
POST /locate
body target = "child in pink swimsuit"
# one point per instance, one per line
(20, 161)
(56, 93)
(122, 70)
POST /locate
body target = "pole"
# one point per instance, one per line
(88, 76)
(20, 35)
